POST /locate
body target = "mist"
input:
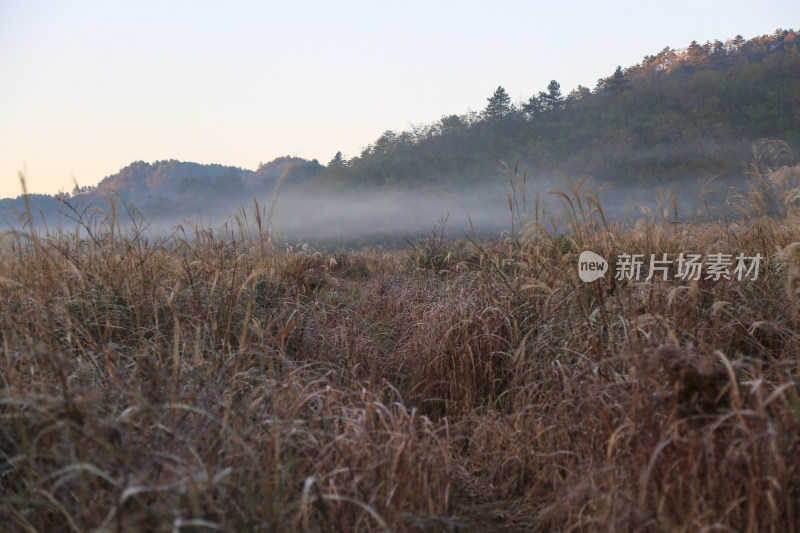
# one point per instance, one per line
(395, 217)
(390, 217)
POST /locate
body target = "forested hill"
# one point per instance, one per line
(677, 115)
(167, 188)
(676, 118)
(174, 184)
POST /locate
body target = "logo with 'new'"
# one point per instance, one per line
(591, 266)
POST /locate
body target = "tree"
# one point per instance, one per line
(385, 143)
(615, 81)
(577, 94)
(696, 55)
(450, 124)
(499, 104)
(337, 161)
(544, 101)
(553, 98)
(533, 106)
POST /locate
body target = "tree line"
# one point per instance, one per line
(678, 114)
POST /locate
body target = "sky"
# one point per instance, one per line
(86, 88)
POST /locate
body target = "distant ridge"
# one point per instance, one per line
(678, 117)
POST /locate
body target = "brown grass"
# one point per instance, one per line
(219, 380)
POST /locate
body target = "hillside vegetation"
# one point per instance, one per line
(676, 118)
(220, 380)
(168, 188)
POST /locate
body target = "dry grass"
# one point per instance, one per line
(218, 380)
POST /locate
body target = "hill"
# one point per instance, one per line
(174, 188)
(675, 119)
(166, 186)
(678, 115)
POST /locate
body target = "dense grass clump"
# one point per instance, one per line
(218, 380)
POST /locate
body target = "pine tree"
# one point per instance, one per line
(337, 161)
(554, 98)
(533, 106)
(499, 104)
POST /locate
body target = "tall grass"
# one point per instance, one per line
(217, 379)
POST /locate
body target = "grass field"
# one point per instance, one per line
(220, 380)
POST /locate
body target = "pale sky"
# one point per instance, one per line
(88, 87)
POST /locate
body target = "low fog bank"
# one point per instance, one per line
(392, 217)
(387, 217)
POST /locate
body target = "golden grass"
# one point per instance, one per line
(219, 380)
